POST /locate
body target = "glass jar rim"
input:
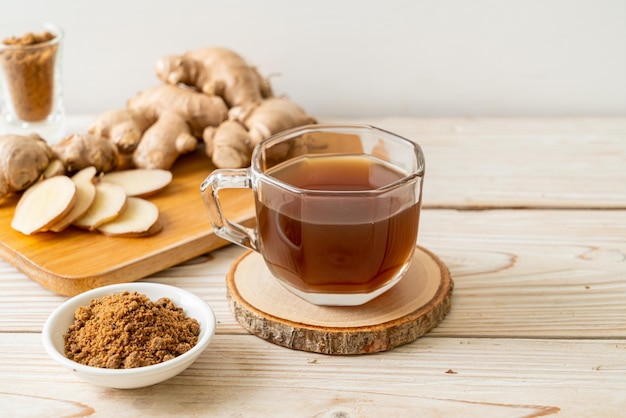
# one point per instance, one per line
(30, 27)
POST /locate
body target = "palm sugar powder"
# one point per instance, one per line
(28, 64)
(128, 330)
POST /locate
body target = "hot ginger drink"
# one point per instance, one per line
(319, 243)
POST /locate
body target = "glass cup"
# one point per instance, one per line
(337, 210)
(31, 90)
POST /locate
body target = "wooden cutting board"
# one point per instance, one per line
(74, 260)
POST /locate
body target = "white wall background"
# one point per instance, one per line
(359, 58)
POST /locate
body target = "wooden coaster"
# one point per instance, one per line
(414, 306)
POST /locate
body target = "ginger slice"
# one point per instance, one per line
(140, 218)
(108, 203)
(43, 204)
(140, 182)
(85, 195)
(55, 168)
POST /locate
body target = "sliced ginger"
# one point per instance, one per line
(108, 203)
(85, 195)
(43, 204)
(55, 168)
(140, 182)
(138, 219)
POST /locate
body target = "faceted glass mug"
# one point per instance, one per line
(337, 210)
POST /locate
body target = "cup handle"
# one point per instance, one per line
(223, 227)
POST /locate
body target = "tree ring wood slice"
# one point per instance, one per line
(414, 306)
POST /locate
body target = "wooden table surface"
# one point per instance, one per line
(530, 217)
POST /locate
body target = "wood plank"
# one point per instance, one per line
(541, 273)
(244, 376)
(531, 273)
(518, 163)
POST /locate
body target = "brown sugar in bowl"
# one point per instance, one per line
(59, 322)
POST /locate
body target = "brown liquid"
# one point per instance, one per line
(337, 244)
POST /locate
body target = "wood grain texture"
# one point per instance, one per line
(242, 375)
(536, 327)
(518, 162)
(74, 260)
(414, 306)
(517, 273)
(532, 273)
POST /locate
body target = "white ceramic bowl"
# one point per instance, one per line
(60, 320)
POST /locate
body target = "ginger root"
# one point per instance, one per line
(164, 142)
(217, 71)
(210, 94)
(273, 115)
(123, 127)
(157, 126)
(181, 116)
(197, 109)
(228, 145)
(23, 159)
(80, 151)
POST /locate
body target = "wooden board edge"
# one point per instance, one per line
(130, 272)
